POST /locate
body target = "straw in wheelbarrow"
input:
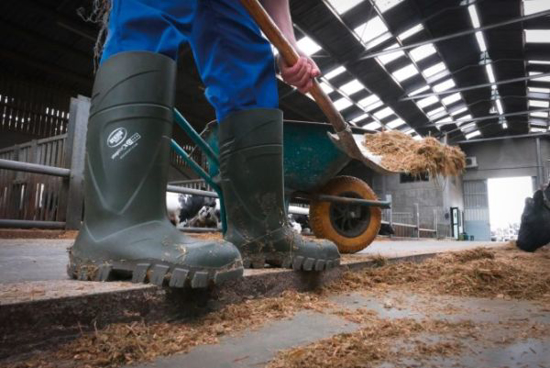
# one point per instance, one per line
(400, 152)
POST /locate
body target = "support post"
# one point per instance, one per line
(76, 140)
(435, 222)
(417, 215)
(540, 167)
(389, 199)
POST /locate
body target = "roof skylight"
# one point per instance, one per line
(535, 6)
(427, 101)
(359, 118)
(437, 111)
(434, 69)
(342, 6)
(410, 32)
(308, 46)
(333, 73)
(342, 103)
(422, 52)
(385, 5)
(368, 101)
(537, 130)
(372, 126)
(405, 72)
(537, 35)
(538, 103)
(326, 87)
(451, 99)
(471, 135)
(388, 58)
(419, 90)
(538, 90)
(352, 87)
(443, 86)
(383, 113)
(370, 30)
(539, 114)
(456, 112)
(395, 123)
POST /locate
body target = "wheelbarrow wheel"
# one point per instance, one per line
(352, 227)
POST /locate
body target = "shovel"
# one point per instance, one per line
(344, 139)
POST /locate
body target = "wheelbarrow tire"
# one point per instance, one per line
(324, 227)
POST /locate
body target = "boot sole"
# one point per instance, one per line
(159, 274)
(298, 263)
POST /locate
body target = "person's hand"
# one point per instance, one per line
(301, 74)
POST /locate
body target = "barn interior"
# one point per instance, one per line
(431, 273)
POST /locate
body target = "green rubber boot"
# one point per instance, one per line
(251, 165)
(126, 233)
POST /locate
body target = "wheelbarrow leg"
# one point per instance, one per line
(251, 164)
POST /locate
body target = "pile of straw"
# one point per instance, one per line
(401, 153)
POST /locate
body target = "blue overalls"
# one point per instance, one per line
(233, 58)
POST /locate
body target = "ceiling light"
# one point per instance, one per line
(342, 103)
(499, 106)
(505, 125)
(352, 87)
(342, 6)
(373, 126)
(419, 90)
(308, 46)
(434, 69)
(395, 123)
(371, 29)
(405, 73)
(538, 103)
(333, 73)
(409, 32)
(385, 5)
(474, 16)
(481, 42)
(422, 52)
(490, 73)
(388, 58)
(427, 101)
(537, 35)
(450, 99)
(383, 113)
(471, 135)
(443, 86)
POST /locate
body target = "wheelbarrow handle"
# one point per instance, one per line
(290, 57)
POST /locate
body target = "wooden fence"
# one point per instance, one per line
(36, 197)
(37, 111)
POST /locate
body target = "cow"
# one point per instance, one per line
(534, 231)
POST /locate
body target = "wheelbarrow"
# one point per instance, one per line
(343, 209)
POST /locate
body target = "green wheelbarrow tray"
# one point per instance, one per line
(312, 160)
(312, 155)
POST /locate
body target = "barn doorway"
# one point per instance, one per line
(506, 202)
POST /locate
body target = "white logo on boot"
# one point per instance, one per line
(116, 137)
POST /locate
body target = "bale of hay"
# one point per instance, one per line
(400, 152)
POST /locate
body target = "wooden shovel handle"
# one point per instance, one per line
(290, 56)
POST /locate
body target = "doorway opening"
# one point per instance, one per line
(506, 202)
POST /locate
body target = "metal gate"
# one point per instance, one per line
(476, 209)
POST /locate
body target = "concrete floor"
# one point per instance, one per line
(39, 261)
(256, 348)
(46, 259)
